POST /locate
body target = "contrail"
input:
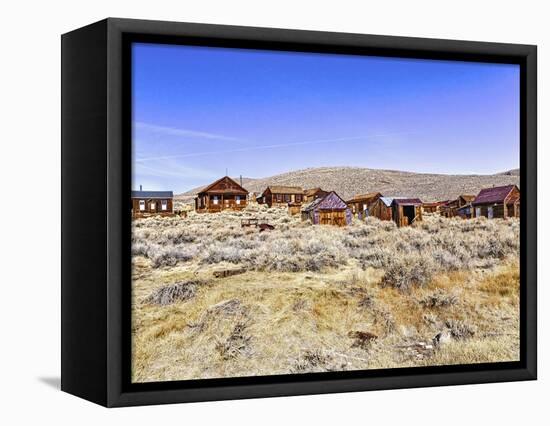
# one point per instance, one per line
(282, 145)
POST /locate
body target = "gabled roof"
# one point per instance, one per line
(330, 201)
(364, 197)
(236, 188)
(407, 201)
(493, 195)
(152, 194)
(388, 200)
(281, 189)
(467, 197)
(313, 191)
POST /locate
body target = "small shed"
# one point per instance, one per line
(497, 202)
(382, 208)
(451, 207)
(220, 195)
(406, 211)
(152, 203)
(329, 210)
(434, 207)
(314, 193)
(360, 204)
(279, 195)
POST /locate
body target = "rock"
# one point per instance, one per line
(442, 338)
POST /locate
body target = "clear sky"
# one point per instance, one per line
(200, 110)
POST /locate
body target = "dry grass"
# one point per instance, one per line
(315, 298)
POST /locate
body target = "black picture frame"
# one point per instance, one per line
(96, 177)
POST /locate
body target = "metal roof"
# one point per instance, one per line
(330, 201)
(407, 201)
(388, 200)
(152, 194)
(364, 197)
(493, 195)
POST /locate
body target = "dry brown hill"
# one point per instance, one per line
(349, 181)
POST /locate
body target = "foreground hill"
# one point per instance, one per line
(349, 181)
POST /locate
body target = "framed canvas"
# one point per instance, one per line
(257, 212)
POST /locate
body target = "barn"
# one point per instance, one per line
(152, 203)
(360, 204)
(497, 202)
(220, 195)
(406, 211)
(382, 208)
(314, 193)
(278, 195)
(329, 210)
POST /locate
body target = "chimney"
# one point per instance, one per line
(140, 188)
(241, 180)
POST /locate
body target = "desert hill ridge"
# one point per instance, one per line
(349, 181)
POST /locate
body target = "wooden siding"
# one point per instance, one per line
(509, 207)
(380, 210)
(405, 215)
(152, 207)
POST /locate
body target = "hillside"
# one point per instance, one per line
(349, 181)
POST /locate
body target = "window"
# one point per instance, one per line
(298, 198)
(279, 198)
(490, 212)
(364, 207)
(478, 211)
(237, 199)
(164, 205)
(153, 206)
(215, 199)
(141, 205)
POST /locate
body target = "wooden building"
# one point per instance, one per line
(360, 204)
(451, 207)
(152, 203)
(314, 193)
(406, 211)
(497, 202)
(329, 210)
(465, 212)
(434, 207)
(223, 194)
(382, 208)
(278, 195)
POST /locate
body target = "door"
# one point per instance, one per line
(489, 212)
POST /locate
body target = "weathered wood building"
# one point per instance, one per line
(434, 207)
(152, 203)
(314, 193)
(360, 204)
(451, 207)
(406, 211)
(382, 208)
(220, 195)
(329, 210)
(278, 195)
(497, 202)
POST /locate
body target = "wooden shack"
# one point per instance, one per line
(434, 207)
(152, 203)
(451, 207)
(220, 195)
(329, 210)
(497, 202)
(314, 193)
(360, 204)
(382, 208)
(406, 211)
(278, 195)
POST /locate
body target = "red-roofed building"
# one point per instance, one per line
(497, 202)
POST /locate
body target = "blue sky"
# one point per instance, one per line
(198, 111)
